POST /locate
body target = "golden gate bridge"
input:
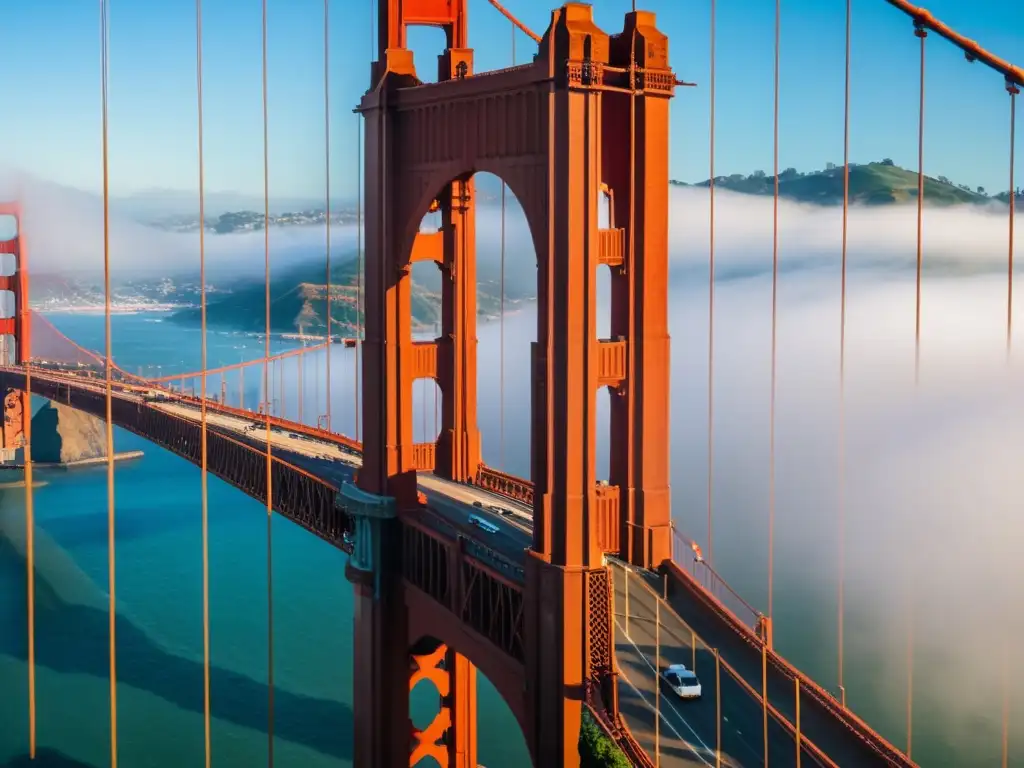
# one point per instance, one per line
(545, 584)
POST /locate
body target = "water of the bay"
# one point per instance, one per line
(159, 568)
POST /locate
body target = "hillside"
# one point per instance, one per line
(878, 183)
(298, 300)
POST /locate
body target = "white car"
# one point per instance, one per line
(682, 681)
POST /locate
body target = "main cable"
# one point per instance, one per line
(108, 389)
(267, 390)
(204, 475)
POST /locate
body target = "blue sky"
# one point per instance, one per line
(52, 54)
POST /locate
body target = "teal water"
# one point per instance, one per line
(159, 571)
(159, 598)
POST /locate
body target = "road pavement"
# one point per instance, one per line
(689, 730)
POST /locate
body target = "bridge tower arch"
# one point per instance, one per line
(553, 131)
(15, 325)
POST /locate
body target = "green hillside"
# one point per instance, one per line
(878, 183)
(298, 301)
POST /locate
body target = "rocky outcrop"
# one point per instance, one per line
(62, 435)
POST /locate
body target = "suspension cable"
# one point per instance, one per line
(1006, 705)
(501, 311)
(327, 190)
(1013, 90)
(30, 525)
(921, 33)
(775, 303)
(204, 476)
(267, 387)
(108, 362)
(631, 263)
(711, 296)
(841, 590)
(358, 349)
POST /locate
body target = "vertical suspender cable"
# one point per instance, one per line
(266, 385)
(30, 565)
(327, 190)
(631, 267)
(204, 478)
(711, 297)
(358, 348)
(501, 332)
(501, 312)
(657, 688)
(1006, 707)
(775, 304)
(921, 33)
(1013, 90)
(30, 527)
(111, 557)
(841, 523)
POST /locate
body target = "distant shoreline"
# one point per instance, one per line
(85, 309)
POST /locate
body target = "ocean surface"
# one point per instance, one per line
(159, 587)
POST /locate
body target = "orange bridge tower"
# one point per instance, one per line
(15, 324)
(585, 124)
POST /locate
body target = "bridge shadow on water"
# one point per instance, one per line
(46, 758)
(73, 639)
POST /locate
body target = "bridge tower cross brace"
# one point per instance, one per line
(559, 159)
(15, 325)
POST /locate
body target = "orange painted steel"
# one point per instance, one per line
(504, 484)
(17, 432)
(553, 130)
(923, 18)
(516, 22)
(298, 351)
(19, 327)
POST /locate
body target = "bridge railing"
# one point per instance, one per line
(810, 751)
(275, 421)
(687, 558)
(504, 484)
(778, 665)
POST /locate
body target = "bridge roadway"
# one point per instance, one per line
(688, 732)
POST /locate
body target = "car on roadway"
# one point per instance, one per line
(682, 681)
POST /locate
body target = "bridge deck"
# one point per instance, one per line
(335, 463)
(688, 730)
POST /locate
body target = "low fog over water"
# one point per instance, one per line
(933, 490)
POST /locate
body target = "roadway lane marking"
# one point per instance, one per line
(691, 747)
(657, 677)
